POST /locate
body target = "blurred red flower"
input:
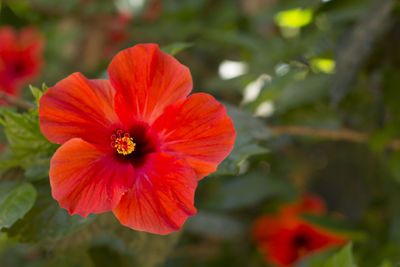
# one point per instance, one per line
(117, 28)
(20, 58)
(117, 33)
(285, 238)
(136, 144)
(153, 11)
(308, 204)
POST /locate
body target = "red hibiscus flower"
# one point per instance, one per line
(153, 11)
(283, 240)
(117, 33)
(20, 58)
(136, 144)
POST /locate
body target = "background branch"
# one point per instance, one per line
(335, 135)
(356, 48)
(15, 101)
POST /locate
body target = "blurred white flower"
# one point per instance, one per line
(229, 69)
(253, 89)
(130, 6)
(265, 109)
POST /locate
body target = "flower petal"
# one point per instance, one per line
(265, 226)
(20, 57)
(147, 80)
(29, 58)
(308, 203)
(284, 250)
(8, 42)
(198, 130)
(86, 179)
(162, 197)
(78, 107)
(284, 240)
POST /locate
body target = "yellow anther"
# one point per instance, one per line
(124, 145)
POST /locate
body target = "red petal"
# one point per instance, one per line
(198, 130)
(282, 248)
(31, 39)
(276, 237)
(321, 238)
(85, 179)
(162, 197)
(8, 42)
(20, 57)
(78, 107)
(8, 46)
(30, 56)
(307, 204)
(264, 227)
(146, 81)
(312, 204)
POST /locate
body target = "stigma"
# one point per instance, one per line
(123, 143)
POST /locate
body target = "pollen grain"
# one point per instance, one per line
(123, 143)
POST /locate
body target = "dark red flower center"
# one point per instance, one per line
(301, 243)
(18, 68)
(134, 145)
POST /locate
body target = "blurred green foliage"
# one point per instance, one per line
(342, 258)
(332, 65)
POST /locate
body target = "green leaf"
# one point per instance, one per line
(252, 188)
(335, 225)
(26, 141)
(16, 199)
(175, 48)
(243, 149)
(20, 8)
(344, 258)
(246, 123)
(386, 263)
(215, 225)
(109, 250)
(302, 92)
(37, 93)
(250, 131)
(46, 221)
(37, 171)
(149, 249)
